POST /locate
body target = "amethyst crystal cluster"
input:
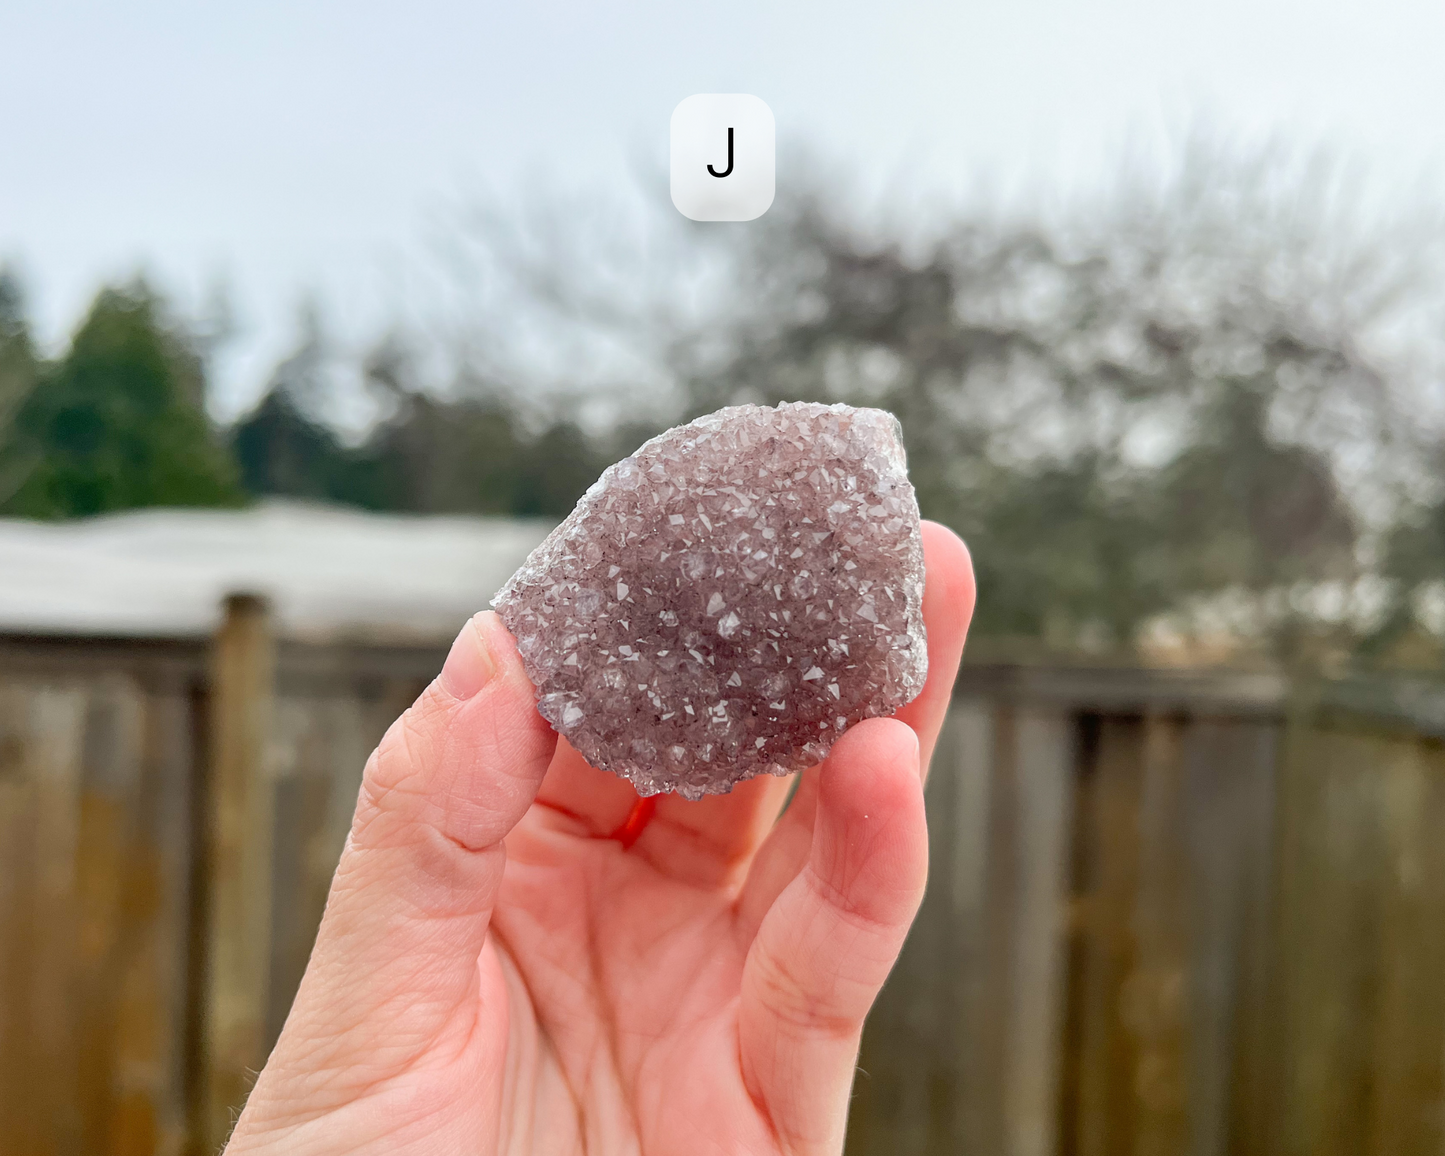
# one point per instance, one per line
(730, 599)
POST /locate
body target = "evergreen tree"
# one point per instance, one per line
(119, 422)
(18, 369)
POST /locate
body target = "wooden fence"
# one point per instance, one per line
(170, 816)
(1172, 914)
(1167, 913)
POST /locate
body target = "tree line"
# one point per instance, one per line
(1175, 419)
(119, 422)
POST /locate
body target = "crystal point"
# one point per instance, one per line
(730, 599)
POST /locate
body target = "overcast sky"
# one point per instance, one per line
(294, 147)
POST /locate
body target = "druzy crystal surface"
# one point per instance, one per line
(730, 599)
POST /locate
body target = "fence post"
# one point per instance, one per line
(240, 821)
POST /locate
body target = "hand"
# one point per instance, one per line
(497, 973)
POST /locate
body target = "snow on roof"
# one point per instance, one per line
(330, 573)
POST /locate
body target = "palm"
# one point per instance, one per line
(630, 965)
(497, 973)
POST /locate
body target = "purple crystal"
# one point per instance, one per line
(730, 599)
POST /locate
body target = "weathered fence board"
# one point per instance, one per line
(239, 877)
(1031, 820)
(962, 1053)
(1168, 913)
(95, 855)
(1361, 944)
(1253, 900)
(115, 869)
(1409, 1051)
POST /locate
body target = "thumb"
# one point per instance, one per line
(412, 897)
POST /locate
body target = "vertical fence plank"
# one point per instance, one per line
(240, 859)
(41, 945)
(1328, 934)
(57, 719)
(992, 989)
(1408, 1084)
(1017, 999)
(1361, 944)
(1228, 819)
(1155, 997)
(302, 796)
(1045, 782)
(159, 1018)
(1172, 897)
(17, 868)
(1100, 1120)
(922, 1066)
(115, 1003)
(972, 724)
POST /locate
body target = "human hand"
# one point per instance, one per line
(497, 971)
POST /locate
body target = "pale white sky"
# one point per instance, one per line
(294, 147)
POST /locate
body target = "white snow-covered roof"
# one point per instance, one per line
(330, 573)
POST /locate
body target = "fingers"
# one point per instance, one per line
(780, 858)
(714, 841)
(707, 843)
(825, 947)
(578, 797)
(711, 842)
(410, 903)
(948, 597)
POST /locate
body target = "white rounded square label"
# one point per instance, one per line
(724, 157)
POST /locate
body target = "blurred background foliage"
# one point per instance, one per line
(1197, 421)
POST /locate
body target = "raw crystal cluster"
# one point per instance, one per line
(730, 599)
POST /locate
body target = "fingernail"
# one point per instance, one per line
(469, 665)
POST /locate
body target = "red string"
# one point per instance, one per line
(636, 821)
